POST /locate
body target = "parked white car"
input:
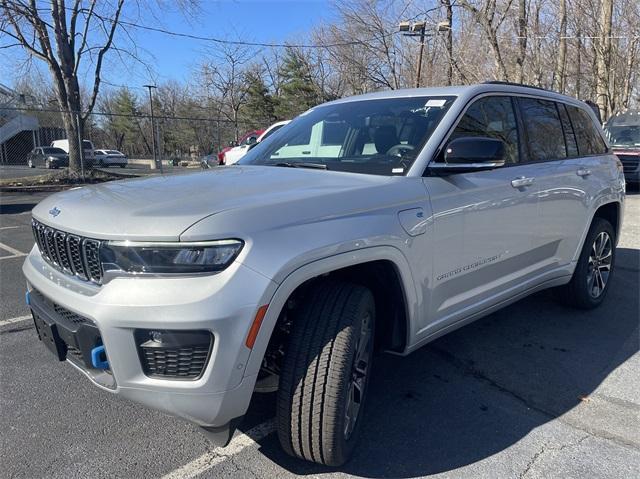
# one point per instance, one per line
(377, 222)
(236, 153)
(87, 146)
(110, 158)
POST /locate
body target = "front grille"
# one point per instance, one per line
(71, 254)
(173, 354)
(69, 317)
(630, 163)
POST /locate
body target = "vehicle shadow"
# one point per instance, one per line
(482, 388)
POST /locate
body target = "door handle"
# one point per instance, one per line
(521, 182)
(583, 172)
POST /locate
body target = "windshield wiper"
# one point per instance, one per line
(300, 164)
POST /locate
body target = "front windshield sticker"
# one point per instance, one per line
(397, 170)
(436, 103)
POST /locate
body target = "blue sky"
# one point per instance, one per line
(175, 58)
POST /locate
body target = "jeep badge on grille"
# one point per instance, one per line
(55, 211)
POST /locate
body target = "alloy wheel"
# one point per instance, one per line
(358, 378)
(599, 268)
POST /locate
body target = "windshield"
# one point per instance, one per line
(53, 151)
(623, 135)
(379, 137)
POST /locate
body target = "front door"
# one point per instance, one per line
(484, 222)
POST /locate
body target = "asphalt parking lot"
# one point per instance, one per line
(534, 390)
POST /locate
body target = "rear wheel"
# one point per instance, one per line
(324, 378)
(592, 276)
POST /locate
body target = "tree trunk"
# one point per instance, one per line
(603, 58)
(522, 40)
(559, 72)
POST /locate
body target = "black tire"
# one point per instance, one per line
(318, 372)
(580, 291)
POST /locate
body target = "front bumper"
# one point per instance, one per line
(224, 304)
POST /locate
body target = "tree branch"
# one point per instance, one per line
(103, 50)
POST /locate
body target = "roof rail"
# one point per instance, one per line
(499, 82)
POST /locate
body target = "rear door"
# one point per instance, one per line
(484, 221)
(574, 179)
(550, 144)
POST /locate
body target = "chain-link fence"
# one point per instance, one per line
(36, 137)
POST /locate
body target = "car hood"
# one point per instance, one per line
(163, 207)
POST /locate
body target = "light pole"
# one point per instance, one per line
(418, 29)
(154, 165)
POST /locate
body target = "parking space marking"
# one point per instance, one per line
(220, 454)
(10, 227)
(4, 322)
(15, 253)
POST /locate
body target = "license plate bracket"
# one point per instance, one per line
(48, 334)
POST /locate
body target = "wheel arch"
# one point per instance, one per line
(370, 265)
(609, 210)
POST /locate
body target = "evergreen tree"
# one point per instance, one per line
(259, 109)
(298, 92)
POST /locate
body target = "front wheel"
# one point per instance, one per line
(593, 273)
(325, 373)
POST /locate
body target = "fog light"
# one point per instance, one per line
(173, 354)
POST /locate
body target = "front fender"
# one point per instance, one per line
(323, 266)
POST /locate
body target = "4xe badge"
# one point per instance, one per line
(54, 211)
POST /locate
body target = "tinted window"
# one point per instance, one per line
(334, 132)
(569, 136)
(589, 140)
(544, 130)
(492, 117)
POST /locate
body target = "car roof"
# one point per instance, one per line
(464, 91)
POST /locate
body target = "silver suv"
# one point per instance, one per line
(372, 223)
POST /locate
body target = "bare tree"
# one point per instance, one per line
(522, 39)
(62, 38)
(224, 76)
(490, 17)
(603, 58)
(559, 72)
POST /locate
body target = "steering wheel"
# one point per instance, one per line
(399, 149)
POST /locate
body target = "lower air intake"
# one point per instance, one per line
(173, 354)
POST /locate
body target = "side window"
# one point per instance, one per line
(569, 136)
(544, 130)
(491, 117)
(589, 140)
(334, 132)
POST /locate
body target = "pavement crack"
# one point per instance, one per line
(546, 449)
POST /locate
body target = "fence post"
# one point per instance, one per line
(80, 145)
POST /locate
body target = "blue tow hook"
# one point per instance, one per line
(99, 358)
(27, 298)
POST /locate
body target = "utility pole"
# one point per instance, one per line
(419, 29)
(154, 165)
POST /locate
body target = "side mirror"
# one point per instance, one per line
(468, 154)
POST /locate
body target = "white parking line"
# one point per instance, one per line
(14, 252)
(10, 227)
(221, 454)
(4, 322)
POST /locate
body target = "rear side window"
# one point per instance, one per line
(544, 129)
(589, 140)
(569, 136)
(491, 117)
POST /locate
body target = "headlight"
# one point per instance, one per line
(168, 258)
